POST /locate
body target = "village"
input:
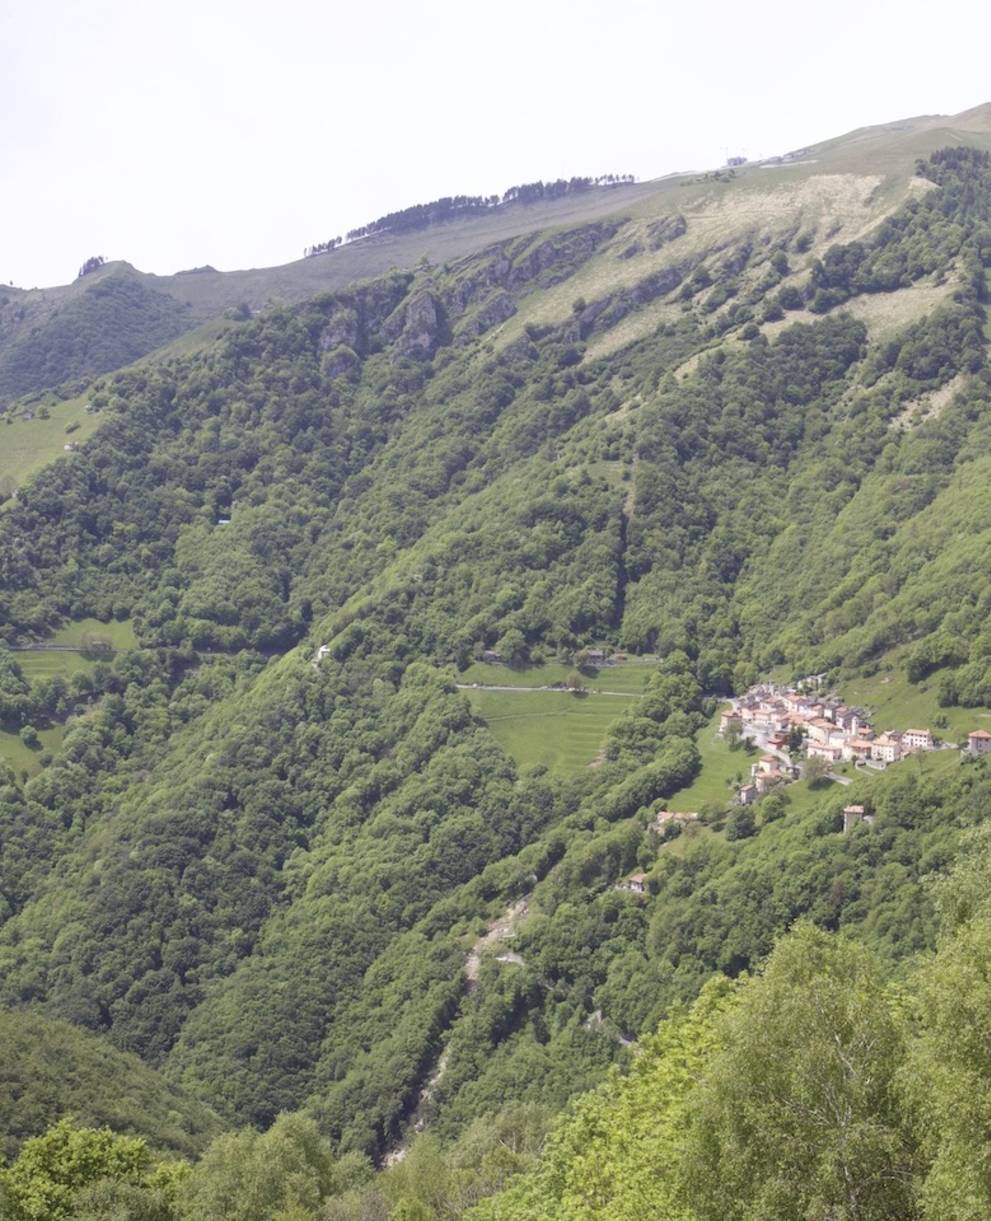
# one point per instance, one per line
(795, 724)
(790, 721)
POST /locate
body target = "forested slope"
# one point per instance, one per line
(271, 835)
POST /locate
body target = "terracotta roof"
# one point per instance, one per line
(979, 733)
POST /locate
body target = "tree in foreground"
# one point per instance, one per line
(797, 1116)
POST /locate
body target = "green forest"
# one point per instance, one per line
(293, 927)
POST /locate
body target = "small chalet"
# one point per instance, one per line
(748, 794)
(979, 742)
(853, 816)
(491, 656)
(635, 884)
(728, 718)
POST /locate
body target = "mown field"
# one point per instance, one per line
(120, 632)
(561, 731)
(39, 665)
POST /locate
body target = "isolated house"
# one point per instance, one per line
(853, 816)
(979, 742)
(636, 883)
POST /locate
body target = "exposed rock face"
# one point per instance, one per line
(663, 231)
(520, 263)
(491, 312)
(343, 328)
(419, 327)
(356, 316)
(607, 311)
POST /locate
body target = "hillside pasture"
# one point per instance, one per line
(28, 445)
(563, 732)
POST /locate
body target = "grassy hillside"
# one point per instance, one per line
(560, 732)
(838, 189)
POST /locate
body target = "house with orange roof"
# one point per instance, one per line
(979, 742)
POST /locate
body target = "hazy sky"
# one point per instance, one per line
(236, 133)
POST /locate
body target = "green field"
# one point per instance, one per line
(120, 632)
(717, 780)
(628, 677)
(20, 757)
(563, 732)
(35, 666)
(28, 445)
(895, 703)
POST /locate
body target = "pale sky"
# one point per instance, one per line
(235, 132)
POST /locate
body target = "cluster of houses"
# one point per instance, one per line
(830, 730)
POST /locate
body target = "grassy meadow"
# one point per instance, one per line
(120, 633)
(28, 445)
(561, 731)
(25, 759)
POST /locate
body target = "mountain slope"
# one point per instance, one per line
(747, 433)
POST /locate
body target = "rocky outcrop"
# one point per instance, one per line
(663, 231)
(418, 327)
(344, 328)
(493, 310)
(607, 311)
(356, 318)
(523, 263)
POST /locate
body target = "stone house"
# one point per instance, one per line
(979, 742)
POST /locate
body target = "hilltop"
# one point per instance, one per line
(116, 314)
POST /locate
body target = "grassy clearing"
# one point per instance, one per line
(895, 703)
(120, 632)
(720, 767)
(23, 759)
(563, 732)
(35, 666)
(28, 445)
(628, 676)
